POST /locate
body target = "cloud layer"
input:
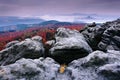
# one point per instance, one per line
(32, 8)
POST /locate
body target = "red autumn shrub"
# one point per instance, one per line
(46, 32)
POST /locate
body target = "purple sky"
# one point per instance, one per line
(50, 8)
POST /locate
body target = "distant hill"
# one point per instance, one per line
(54, 23)
(7, 20)
(62, 24)
(49, 22)
(23, 26)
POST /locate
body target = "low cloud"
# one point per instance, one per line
(59, 9)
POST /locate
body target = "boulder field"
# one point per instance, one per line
(90, 54)
(96, 66)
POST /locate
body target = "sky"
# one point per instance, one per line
(62, 10)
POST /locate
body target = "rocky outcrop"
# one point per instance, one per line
(92, 34)
(29, 48)
(92, 67)
(18, 60)
(110, 39)
(69, 45)
(28, 69)
(103, 37)
(96, 66)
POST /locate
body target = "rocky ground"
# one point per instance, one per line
(90, 54)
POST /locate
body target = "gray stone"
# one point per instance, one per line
(29, 48)
(28, 69)
(96, 66)
(103, 37)
(69, 45)
(92, 34)
(11, 44)
(110, 71)
(110, 39)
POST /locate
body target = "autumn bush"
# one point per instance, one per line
(46, 32)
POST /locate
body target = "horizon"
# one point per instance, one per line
(63, 10)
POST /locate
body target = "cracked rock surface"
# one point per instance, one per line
(29, 48)
(96, 66)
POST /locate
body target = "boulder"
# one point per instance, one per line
(92, 34)
(105, 36)
(29, 48)
(110, 39)
(69, 45)
(37, 38)
(29, 69)
(96, 66)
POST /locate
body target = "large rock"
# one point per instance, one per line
(28, 69)
(110, 39)
(92, 34)
(105, 37)
(96, 66)
(29, 48)
(69, 45)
